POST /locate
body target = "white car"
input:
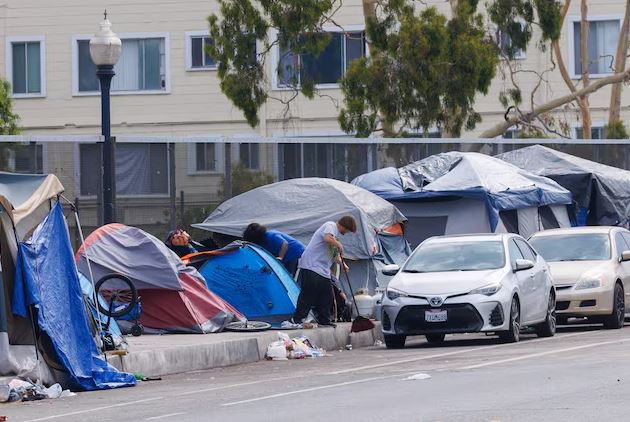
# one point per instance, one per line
(591, 270)
(492, 283)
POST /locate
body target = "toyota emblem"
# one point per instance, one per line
(436, 301)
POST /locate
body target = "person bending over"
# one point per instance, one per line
(284, 247)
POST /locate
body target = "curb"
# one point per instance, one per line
(248, 349)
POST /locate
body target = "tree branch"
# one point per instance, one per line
(500, 128)
(619, 66)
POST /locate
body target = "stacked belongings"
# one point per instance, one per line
(175, 298)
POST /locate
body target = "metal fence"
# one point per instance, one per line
(164, 182)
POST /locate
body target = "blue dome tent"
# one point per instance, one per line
(251, 280)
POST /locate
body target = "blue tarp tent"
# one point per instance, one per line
(47, 278)
(458, 192)
(253, 281)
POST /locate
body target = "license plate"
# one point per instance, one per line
(435, 316)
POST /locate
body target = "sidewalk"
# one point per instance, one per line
(154, 355)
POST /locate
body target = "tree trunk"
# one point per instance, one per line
(369, 9)
(620, 65)
(584, 104)
(500, 128)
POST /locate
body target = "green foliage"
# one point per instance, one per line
(244, 180)
(8, 119)
(422, 73)
(617, 130)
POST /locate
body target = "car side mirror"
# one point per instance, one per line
(625, 256)
(391, 269)
(523, 264)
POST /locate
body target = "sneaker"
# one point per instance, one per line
(328, 324)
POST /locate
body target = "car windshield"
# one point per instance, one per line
(573, 247)
(456, 256)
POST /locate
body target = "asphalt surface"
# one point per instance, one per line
(581, 374)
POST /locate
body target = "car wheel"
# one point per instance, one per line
(435, 338)
(395, 341)
(616, 319)
(548, 327)
(513, 334)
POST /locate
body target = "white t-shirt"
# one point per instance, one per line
(319, 255)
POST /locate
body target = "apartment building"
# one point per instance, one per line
(166, 86)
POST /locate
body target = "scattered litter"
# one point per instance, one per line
(139, 376)
(3, 418)
(348, 347)
(417, 377)
(378, 343)
(18, 390)
(292, 348)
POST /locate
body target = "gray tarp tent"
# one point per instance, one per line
(299, 207)
(25, 200)
(457, 193)
(603, 190)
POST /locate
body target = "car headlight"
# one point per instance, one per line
(589, 282)
(487, 290)
(393, 294)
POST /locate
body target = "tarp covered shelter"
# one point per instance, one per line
(299, 207)
(47, 279)
(175, 298)
(604, 191)
(25, 200)
(456, 193)
(252, 280)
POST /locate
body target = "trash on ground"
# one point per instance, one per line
(378, 343)
(18, 390)
(417, 377)
(288, 325)
(348, 347)
(292, 348)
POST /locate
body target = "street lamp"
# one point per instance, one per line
(105, 48)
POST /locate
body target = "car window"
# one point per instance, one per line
(526, 250)
(620, 243)
(626, 237)
(515, 252)
(456, 256)
(573, 247)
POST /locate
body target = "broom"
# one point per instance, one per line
(360, 323)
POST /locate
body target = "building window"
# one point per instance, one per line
(596, 132)
(337, 161)
(141, 169)
(325, 69)
(505, 44)
(140, 68)
(602, 46)
(511, 134)
(249, 155)
(197, 57)
(206, 157)
(22, 158)
(25, 66)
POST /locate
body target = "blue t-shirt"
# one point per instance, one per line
(274, 242)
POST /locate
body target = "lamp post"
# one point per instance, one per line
(105, 48)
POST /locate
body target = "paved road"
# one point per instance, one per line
(582, 374)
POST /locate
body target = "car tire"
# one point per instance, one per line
(395, 341)
(616, 319)
(513, 334)
(548, 327)
(435, 338)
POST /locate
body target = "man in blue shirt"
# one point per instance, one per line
(284, 247)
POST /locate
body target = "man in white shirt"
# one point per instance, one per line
(314, 278)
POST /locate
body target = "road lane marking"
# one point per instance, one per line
(153, 418)
(457, 352)
(548, 352)
(95, 409)
(242, 384)
(306, 390)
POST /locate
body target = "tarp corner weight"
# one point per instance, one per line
(47, 278)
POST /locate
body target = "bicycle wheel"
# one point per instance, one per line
(119, 294)
(247, 326)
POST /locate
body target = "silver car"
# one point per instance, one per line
(492, 283)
